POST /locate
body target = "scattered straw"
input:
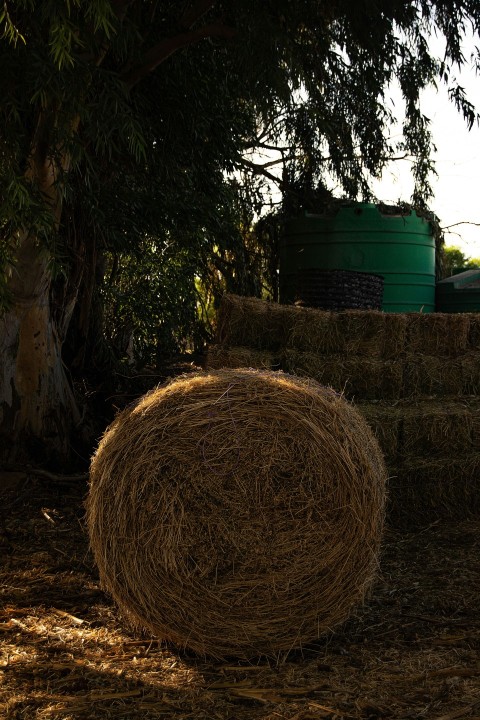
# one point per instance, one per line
(237, 512)
(411, 651)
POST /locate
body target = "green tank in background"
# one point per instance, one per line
(363, 237)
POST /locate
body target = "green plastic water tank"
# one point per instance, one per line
(360, 237)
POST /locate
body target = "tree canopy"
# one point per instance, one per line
(131, 141)
(456, 261)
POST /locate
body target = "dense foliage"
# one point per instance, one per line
(456, 261)
(152, 117)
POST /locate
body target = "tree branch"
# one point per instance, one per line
(462, 222)
(120, 7)
(260, 170)
(277, 148)
(195, 12)
(160, 52)
(278, 161)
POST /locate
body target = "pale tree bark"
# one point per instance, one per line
(38, 413)
(37, 405)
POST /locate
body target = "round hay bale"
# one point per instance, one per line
(237, 512)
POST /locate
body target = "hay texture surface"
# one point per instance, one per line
(357, 378)
(237, 512)
(250, 322)
(219, 356)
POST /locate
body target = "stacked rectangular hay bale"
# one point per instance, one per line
(414, 377)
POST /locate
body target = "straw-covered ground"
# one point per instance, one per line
(412, 652)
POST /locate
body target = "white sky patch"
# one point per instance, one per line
(457, 187)
(456, 200)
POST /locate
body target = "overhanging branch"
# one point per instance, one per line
(461, 222)
(278, 161)
(120, 7)
(195, 12)
(166, 47)
(260, 170)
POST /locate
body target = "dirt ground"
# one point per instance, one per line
(413, 650)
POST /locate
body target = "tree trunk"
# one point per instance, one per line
(37, 405)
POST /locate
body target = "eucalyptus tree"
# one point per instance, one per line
(120, 117)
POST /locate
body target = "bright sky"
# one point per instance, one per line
(457, 159)
(457, 187)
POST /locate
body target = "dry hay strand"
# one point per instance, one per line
(237, 512)
(395, 335)
(474, 331)
(350, 332)
(315, 331)
(363, 331)
(250, 322)
(368, 333)
(437, 333)
(359, 379)
(435, 429)
(470, 368)
(426, 375)
(235, 357)
(424, 427)
(385, 424)
(475, 420)
(422, 491)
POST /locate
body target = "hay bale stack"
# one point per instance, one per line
(428, 375)
(250, 322)
(312, 330)
(434, 429)
(219, 356)
(475, 423)
(426, 490)
(438, 334)
(369, 334)
(359, 379)
(470, 368)
(415, 378)
(448, 428)
(237, 512)
(474, 331)
(395, 336)
(385, 422)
